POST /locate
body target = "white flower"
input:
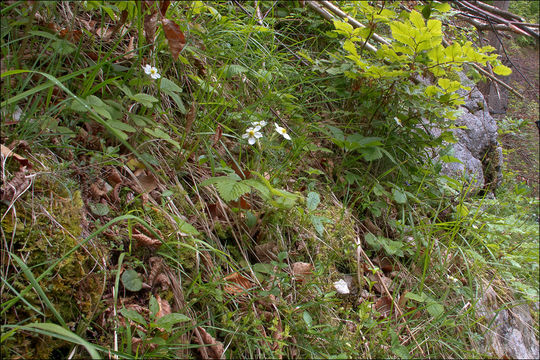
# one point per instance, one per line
(398, 121)
(261, 123)
(152, 71)
(252, 134)
(341, 287)
(282, 131)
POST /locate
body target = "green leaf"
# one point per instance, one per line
(373, 241)
(186, 227)
(502, 70)
(420, 298)
(435, 309)
(399, 195)
(442, 7)
(121, 126)
(167, 321)
(313, 200)
(307, 318)
(317, 224)
(462, 210)
(417, 19)
(232, 70)
(98, 209)
(450, 159)
(144, 99)
(59, 332)
(131, 280)
(169, 87)
(133, 316)
(257, 185)
(343, 27)
(153, 305)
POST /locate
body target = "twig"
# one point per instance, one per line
(496, 10)
(502, 83)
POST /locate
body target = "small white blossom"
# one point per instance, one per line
(282, 131)
(152, 71)
(398, 121)
(341, 287)
(450, 277)
(261, 123)
(252, 134)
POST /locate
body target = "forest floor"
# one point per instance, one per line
(522, 143)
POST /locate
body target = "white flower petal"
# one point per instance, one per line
(286, 136)
(258, 135)
(245, 135)
(251, 141)
(148, 69)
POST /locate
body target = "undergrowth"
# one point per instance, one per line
(208, 179)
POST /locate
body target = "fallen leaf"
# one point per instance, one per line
(217, 135)
(16, 186)
(163, 7)
(266, 252)
(145, 240)
(150, 23)
(211, 348)
(301, 271)
(129, 51)
(6, 152)
(190, 117)
(384, 306)
(148, 182)
(176, 37)
(164, 307)
(238, 284)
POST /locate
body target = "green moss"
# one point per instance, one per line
(46, 227)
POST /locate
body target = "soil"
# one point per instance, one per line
(522, 144)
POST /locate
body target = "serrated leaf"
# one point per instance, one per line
(417, 19)
(312, 201)
(186, 227)
(502, 70)
(131, 280)
(133, 316)
(144, 99)
(373, 241)
(167, 321)
(435, 309)
(231, 190)
(257, 185)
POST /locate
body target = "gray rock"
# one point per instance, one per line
(477, 147)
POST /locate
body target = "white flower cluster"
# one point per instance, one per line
(254, 132)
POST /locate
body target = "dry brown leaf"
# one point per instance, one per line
(239, 284)
(98, 189)
(190, 117)
(266, 252)
(217, 135)
(144, 240)
(175, 36)
(163, 6)
(6, 152)
(114, 176)
(129, 51)
(16, 186)
(301, 271)
(384, 306)
(214, 351)
(164, 307)
(148, 183)
(150, 23)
